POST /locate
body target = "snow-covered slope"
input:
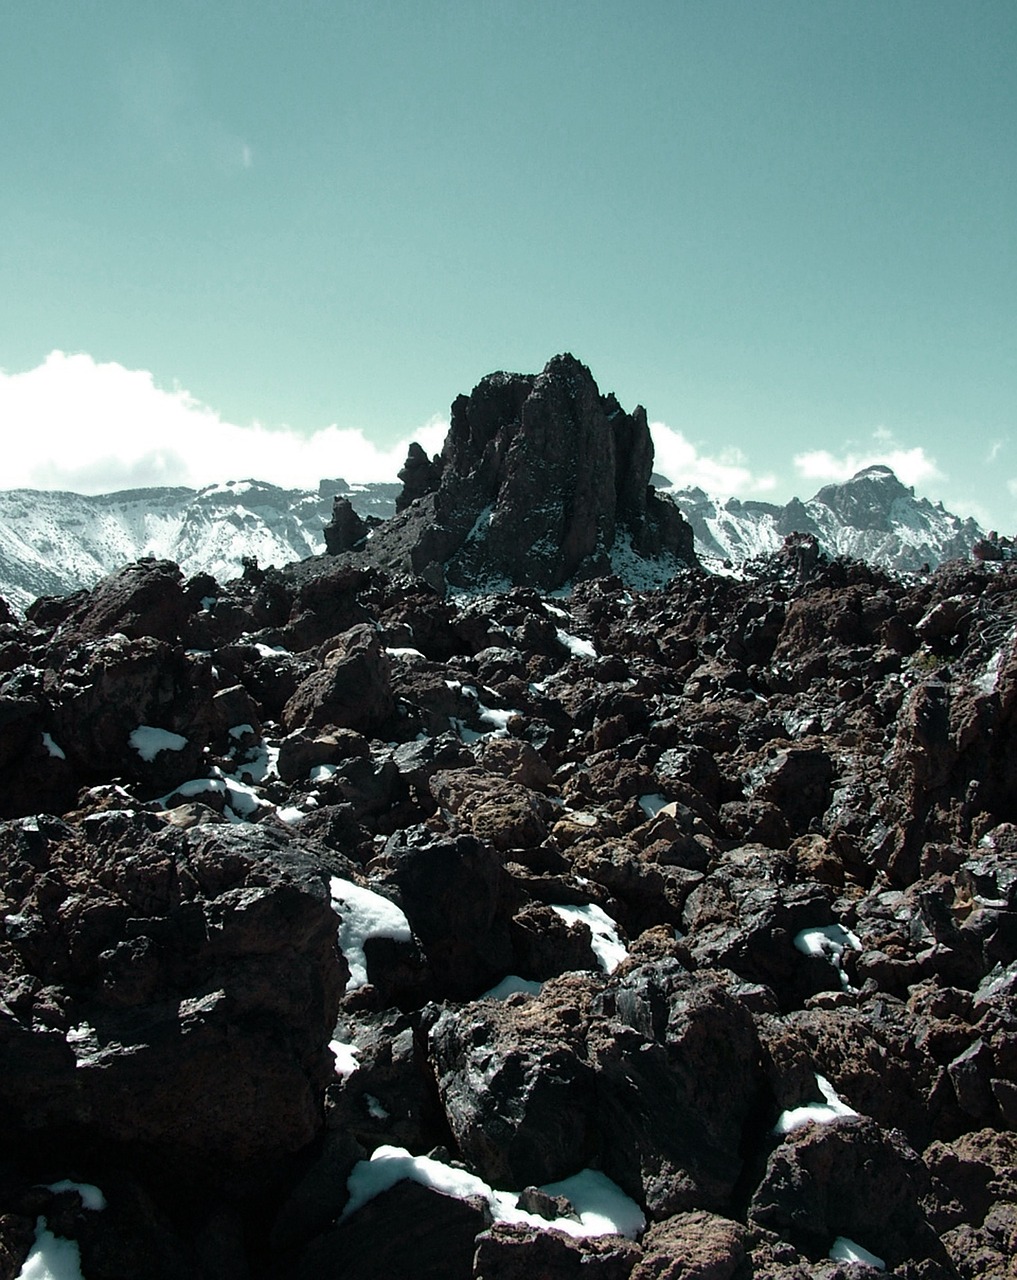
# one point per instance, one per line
(870, 517)
(53, 543)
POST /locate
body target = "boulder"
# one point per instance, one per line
(350, 690)
(161, 988)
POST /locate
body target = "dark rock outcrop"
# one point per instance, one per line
(541, 478)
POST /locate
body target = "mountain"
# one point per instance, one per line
(54, 543)
(871, 517)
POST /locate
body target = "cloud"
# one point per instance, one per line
(726, 475)
(75, 423)
(911, 466)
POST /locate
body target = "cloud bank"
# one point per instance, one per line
(911, 466)
(74, 423)
(726, 475)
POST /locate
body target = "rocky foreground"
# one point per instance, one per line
(785, 806)
(353, 928)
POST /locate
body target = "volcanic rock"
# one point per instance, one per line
(540, 479)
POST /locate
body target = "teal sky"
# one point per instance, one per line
(787, 228)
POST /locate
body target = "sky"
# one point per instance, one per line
(258, 239)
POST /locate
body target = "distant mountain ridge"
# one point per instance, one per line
(871, 517)
(53, 543)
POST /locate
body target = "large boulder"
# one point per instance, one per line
(167, 993)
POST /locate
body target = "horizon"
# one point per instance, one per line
(787, 232)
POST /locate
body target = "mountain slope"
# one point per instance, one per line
(53, 543)
(870, 517)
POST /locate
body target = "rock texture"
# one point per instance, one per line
(540, 480)
(699, 899)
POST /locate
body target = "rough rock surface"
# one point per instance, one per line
(541, 478)
(706, 890)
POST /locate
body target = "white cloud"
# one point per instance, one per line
(726, 475)
(911, 466)
(74, 423)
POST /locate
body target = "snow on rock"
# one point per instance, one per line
(56, 752)
(510, 986)
(52, 1257)
(601, 1207)
(345, 1058)
(578, 647)
(148, 741)
(845, 1250)
(607, 945)
(818, 1113)
(830, 940)
(364, 914)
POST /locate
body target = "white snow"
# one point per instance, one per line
(322, 772)
(578, 647)
(602, 1208)
(290, 814)
(987, 681)
(652, 805)
(499, 719)
(405, 653)
(265, 650)
(818, 1112)
(607, 945)
(510, 986)
(56, 752)
(364, 914)
(845, 1250)
(91, 1197)
(241, 730)
(374, 1108)
(51, 1257)
(345, 1055)
(830, 940)
(148, 741)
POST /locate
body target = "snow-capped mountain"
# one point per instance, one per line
(870, 517)
(53, 543)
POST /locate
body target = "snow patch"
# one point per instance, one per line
(51, 1257)
(845, 1250)
(364, 914)
(345, 1058)
(512, 985)
(607, 945)
(818, 1113)
(652, 805)
(831, 941)
(148, 741)
(56, 752)
(578, 647)
(602, 1208)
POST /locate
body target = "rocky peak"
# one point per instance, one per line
(866, 500)
(540, 478)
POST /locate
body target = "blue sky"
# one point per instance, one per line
(284, 237)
